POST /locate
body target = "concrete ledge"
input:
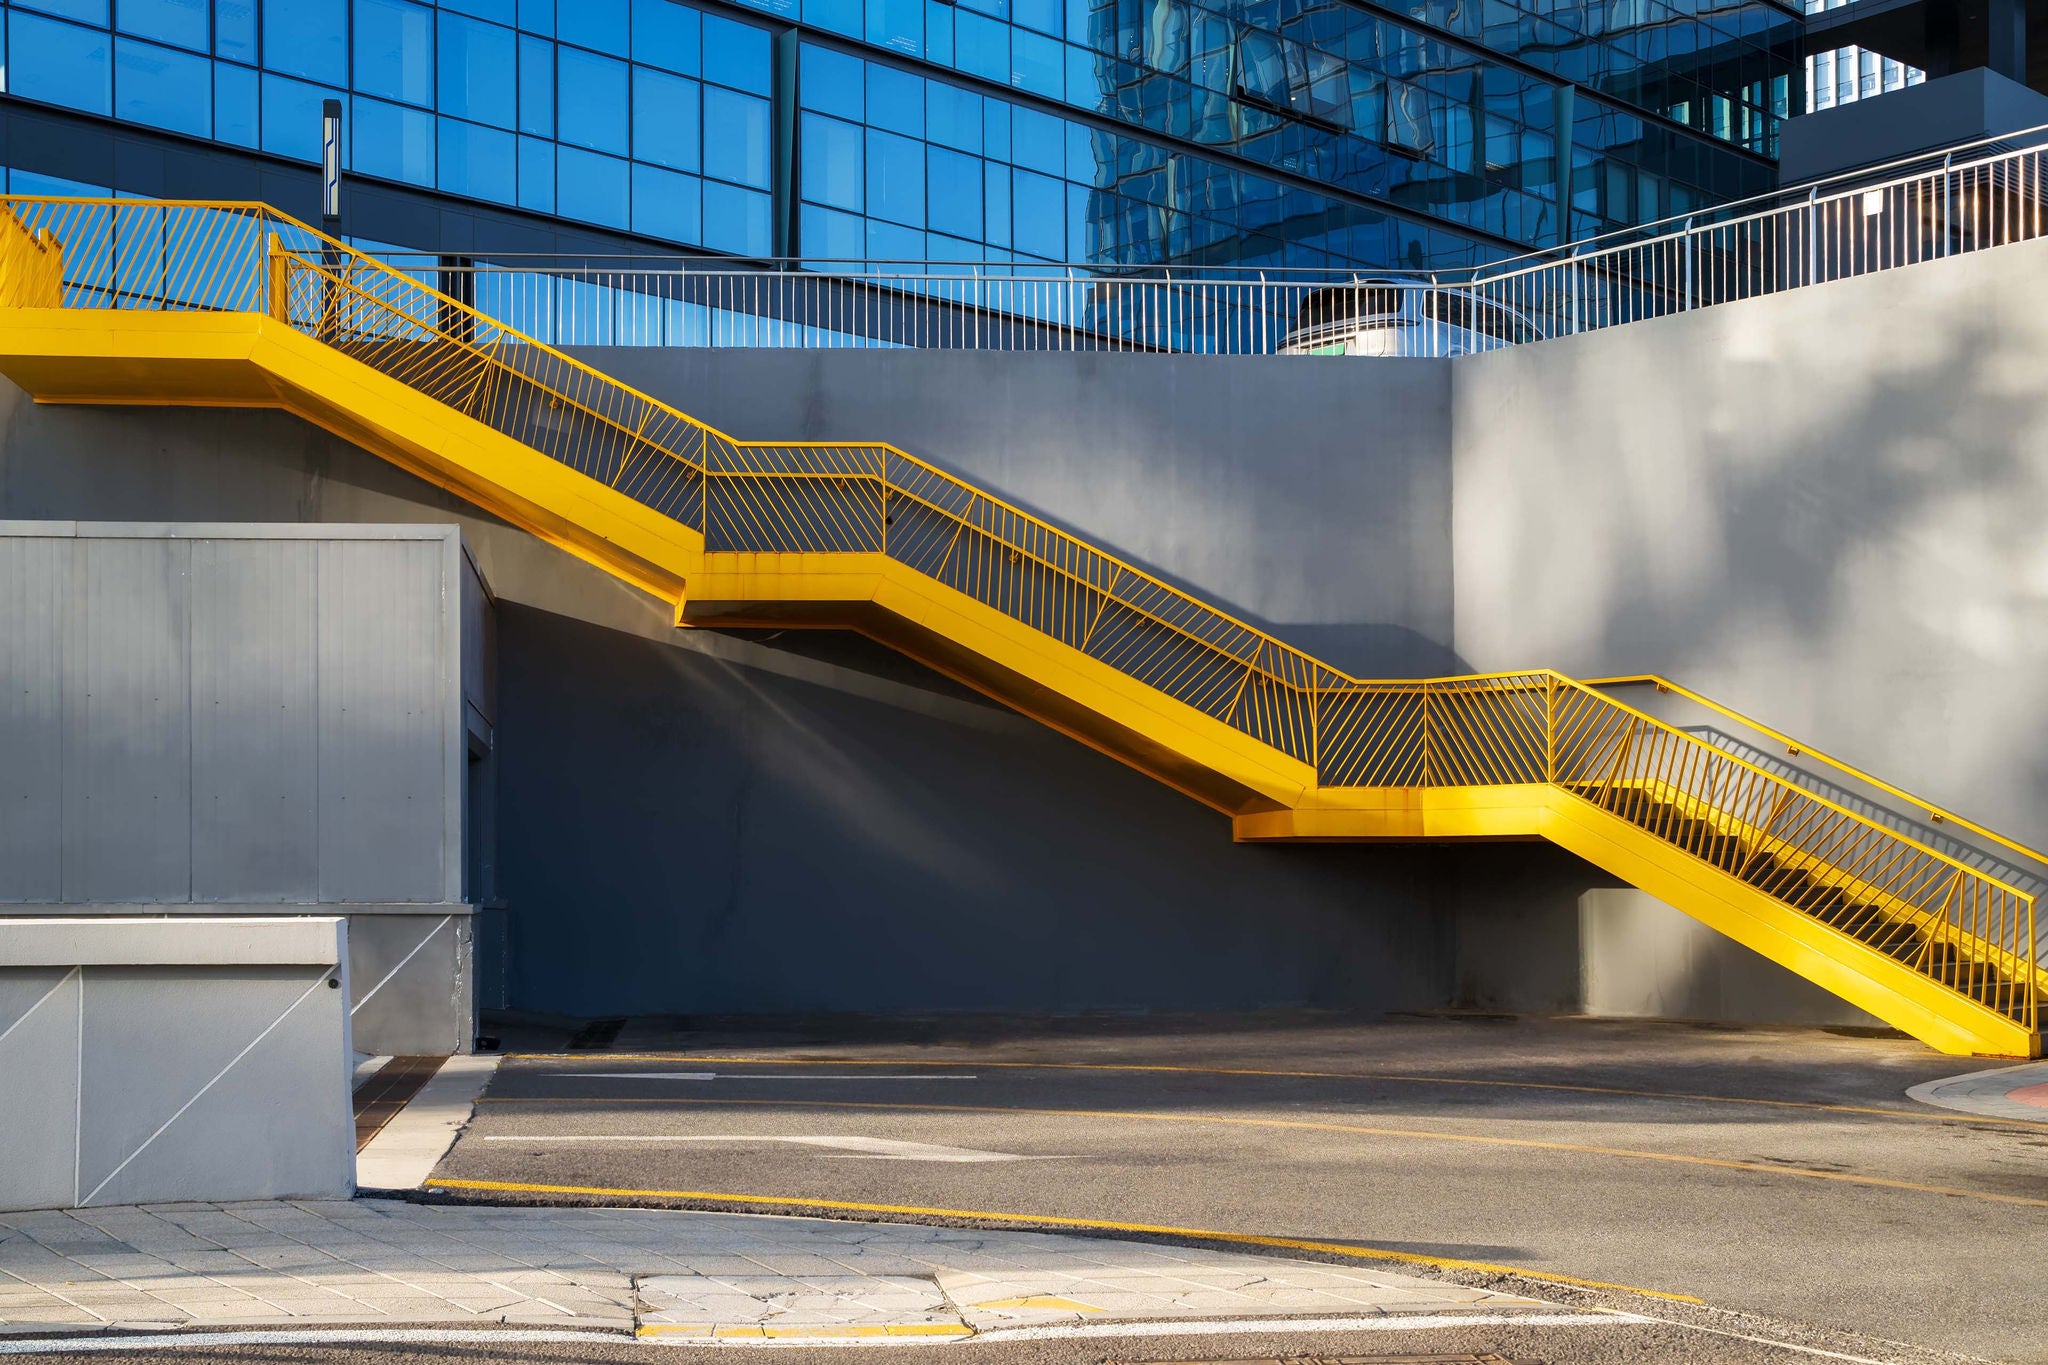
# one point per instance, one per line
(187, 941)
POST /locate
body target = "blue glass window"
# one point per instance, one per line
(178, 22)
(479, 162)
(938, 32)
(1043, 15)
(666, 204)
(306, 38)
(995, 129)
(1038, 141)
(737, 220)
(494, 11)
(394, 142)
(599, 24)
(954, 196)
(895, 100)
(291, 118)
(953, 116)
(996, 197)
(736, 55)
(887, 242)
(1038, 212)
(981, 46)
(737, 149)
(58, 63)
(162, 87)
(665, 34)
(536, 175)
(829, 236)
(897, 24)
(395, 50)
(665, 119)
(895, 178)
(476, 60)
(591, 187)
(1081, 153)
(1037, 64)
(591, 102)
(831, 155)
(85, 11)
(831, 81)
(234, 104)
(234, 29)
(537, 16)
(839, 16)
(536, 86)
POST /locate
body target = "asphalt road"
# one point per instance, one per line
(1524, 1346)
(1779, 1174)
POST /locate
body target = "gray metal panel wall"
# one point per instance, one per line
(127, 731)
(384, 683)
(34, 573)
(255, 746)
(225, 715)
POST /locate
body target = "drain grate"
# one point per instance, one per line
(388, 1091)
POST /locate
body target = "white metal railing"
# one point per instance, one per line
(1969, 199)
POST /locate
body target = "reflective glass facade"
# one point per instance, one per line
(1247, 132)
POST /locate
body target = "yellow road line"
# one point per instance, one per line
(1308, 1125)
(1363, 1253)
(756, 1332)
(1407, 1078)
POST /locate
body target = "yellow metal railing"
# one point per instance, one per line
(1959, 926)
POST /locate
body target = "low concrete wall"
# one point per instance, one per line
(146, 1061)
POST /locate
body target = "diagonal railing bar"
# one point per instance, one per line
(1894, 893)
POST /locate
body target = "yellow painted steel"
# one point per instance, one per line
(105, 301)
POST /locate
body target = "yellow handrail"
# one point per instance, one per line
(1800, 749)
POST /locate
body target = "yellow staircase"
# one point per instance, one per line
(131, 301)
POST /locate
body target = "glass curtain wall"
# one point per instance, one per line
(1203, 132)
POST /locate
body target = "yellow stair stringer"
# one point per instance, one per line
(244, 359)
(104, 356)
(1870, 980)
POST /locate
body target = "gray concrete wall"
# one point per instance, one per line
(147, 1061)
(1823, 508)
(691, 821)
(1641, 959)
(1311, 498)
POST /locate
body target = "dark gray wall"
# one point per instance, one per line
(692, 821)
(1823, 508)
(1310, 497)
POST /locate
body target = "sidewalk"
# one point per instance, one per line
(676, 1275)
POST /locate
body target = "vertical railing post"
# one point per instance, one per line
(277, 284)
(1813, 235)
(1692, 250)
(1428, 768)
(1550, 728)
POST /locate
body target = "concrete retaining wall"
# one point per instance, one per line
(158, 1060)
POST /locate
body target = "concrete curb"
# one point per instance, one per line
(2003, 1092)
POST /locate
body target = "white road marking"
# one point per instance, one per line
(783, 1076)
(163, 1341)
(1391, 1322)
(870, 1148)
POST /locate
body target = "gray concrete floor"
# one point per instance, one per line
(1782, 1174)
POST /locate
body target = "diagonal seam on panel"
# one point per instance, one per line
(41, 1000)
(318, 981)
(445, 919)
